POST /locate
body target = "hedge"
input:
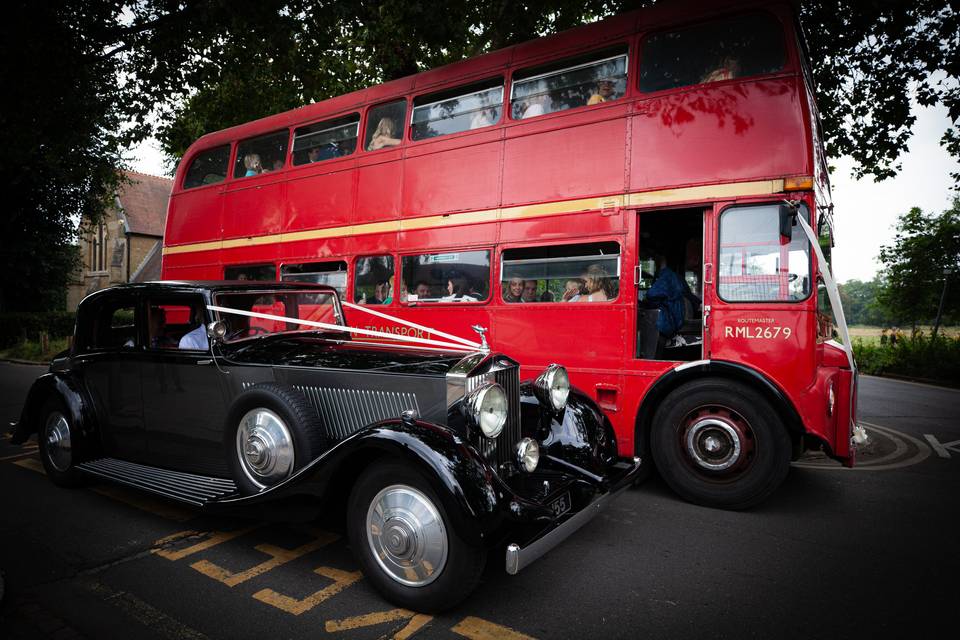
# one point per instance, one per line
(19, 326)
(917, 356)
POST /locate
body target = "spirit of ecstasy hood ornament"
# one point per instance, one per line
(483, 337)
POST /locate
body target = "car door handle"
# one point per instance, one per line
(204, 361)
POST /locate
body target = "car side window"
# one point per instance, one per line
(115, 326)
(176, 322)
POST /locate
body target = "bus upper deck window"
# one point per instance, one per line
(749, 45)
(574, 82)
(208, 167)
(459, 276)
(755, 265)
(460, 109)
(326, 140)
(385, 125)
(261, 155)
(561, 273)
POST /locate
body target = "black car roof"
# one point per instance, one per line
(212, 286)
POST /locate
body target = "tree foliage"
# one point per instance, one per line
(861, 304)
(924, 246)
(61, 134)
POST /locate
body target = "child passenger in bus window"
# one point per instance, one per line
(514, 290)
(728, 69)
(252, 162)
(598, 285)
(604, 91)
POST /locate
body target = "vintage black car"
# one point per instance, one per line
(217, 394)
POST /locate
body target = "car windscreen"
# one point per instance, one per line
(251, 314)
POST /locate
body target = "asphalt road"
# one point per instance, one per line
(834, 553)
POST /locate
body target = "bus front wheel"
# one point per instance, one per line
(720, 444)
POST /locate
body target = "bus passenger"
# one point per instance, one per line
(529, 291)
(483, 118)
(252, 162)
(383, 135)
(457, 290)
(422, 290)
(604, 91)
(598, 285)
(573, 289)
(536, 105)
(728, 69)
(514, 290)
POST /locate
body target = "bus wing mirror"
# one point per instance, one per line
(788, 217)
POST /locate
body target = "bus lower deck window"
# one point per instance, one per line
(373, 281)
(332, 273)
(460, 276)
(561, 273)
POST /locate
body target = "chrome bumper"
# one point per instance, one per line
(519, 558)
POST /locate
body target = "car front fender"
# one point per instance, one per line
(69, 391)
(465, 483)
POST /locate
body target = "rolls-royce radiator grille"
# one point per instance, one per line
(500, 450)
(345, 411)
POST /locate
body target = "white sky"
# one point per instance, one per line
(865, 211)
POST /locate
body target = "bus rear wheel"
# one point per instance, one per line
(720, 444)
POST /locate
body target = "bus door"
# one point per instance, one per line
(763, 314)
(669, 281)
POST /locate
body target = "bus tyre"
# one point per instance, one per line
(272, 431)
(720, 444)
(56, 439)
(402, 537)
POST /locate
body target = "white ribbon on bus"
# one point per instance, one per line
(460, 344)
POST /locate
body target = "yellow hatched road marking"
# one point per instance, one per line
(417, 622)
(637, 198)
(31, 463)
(218, 537)
(278, 556)
(341, 580)
(480, 629)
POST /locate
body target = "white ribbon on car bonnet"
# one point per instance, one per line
(446, 346)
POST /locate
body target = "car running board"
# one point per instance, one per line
(175, 485)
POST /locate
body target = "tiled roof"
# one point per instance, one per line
(144, 201)
(149, 269)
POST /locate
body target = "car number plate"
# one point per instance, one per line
(561, 505)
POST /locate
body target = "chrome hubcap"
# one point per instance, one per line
(264, 447)
(713, 444)
(407, 535)
(56, 434)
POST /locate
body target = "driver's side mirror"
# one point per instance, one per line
(788, 217)
(217, 330)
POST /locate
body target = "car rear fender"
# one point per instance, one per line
(74, 398)
(464, 482)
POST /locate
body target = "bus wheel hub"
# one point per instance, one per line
(714, 444)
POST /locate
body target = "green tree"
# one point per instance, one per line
(61, 133)
(860, 304)
(924, 246)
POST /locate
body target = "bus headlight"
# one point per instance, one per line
(528, 454)
(553, 387)
(487, 407)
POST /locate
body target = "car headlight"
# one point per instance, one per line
(528, 454)
(487, 407)
(553, 386)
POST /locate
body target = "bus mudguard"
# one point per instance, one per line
(711, 368)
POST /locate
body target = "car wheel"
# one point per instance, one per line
(273, 431)
(405, 544)
(56, 439)
(720, 444)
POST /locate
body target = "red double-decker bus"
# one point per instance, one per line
(634, 198)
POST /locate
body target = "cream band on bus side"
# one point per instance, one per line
(636, 199)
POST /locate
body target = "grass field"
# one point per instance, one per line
(871, 335)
